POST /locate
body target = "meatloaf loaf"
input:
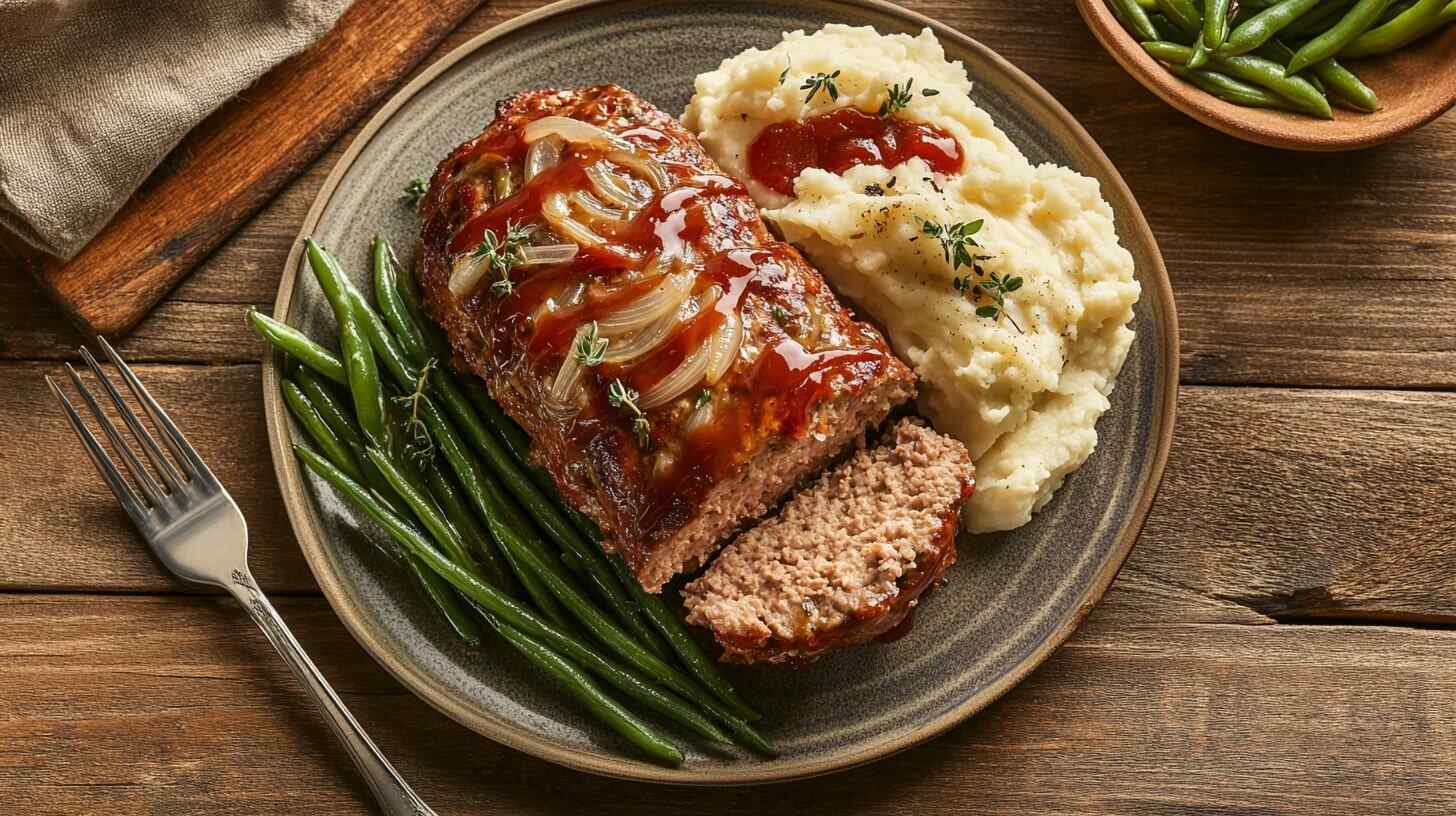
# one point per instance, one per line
(847, 559)
(678, 369)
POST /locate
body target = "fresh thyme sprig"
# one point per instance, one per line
(821, 81)
(414, 192)
(897, 98)
(958, 244)
(784, 74)
(591, 347)
(997, 288)
(704, 397)
(502, 254)
(419, 447)
(620, 396)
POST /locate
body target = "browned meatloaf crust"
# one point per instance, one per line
(847, 559)
(805, 380)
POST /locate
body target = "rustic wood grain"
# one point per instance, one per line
(1188, 690)
(62, 530)
(1245, 231)
(175, 705)
(233, 162)
(1373, 536)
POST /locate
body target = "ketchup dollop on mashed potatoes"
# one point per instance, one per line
(1023, 389)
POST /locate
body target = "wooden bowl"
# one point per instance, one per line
(1415, 85)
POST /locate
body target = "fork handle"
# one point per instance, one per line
(394, 795)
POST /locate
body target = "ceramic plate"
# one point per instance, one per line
(1010, 600)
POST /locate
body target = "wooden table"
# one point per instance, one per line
(1279, 642)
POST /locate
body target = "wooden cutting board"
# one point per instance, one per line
(233, 162)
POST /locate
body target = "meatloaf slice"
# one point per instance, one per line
(677, 368)
(846, 560)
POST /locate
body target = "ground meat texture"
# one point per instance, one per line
(846, 560)
(667, 483)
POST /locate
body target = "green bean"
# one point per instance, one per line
(1277, 52)
(447, 495)
(1345, 86)
(1394, 10)
(359, 361)
(329, 406)
(1318, 20)
(513, 532)
(1169, 32)
(1252, 69)
(481, 493)
(671, 625)
(1416, 22)
(296, 345)
(392, 306)
(319, 430)
(1184, 14)
(461, 618)
(604, 707)
(1215, 23)
(339, 454)
(493, 601)
(1231, 90)
(1262, 27)
(424, 508)
(1355, 22)
(1135, 17)
(1199, 57)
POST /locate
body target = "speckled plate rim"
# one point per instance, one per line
(303, 518)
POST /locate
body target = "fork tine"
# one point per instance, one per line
(99, 457)
(138, 430)
(186, 454)
(137, 470)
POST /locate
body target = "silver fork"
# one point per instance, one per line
(197, 531)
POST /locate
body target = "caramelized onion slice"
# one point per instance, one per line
(465, 277)
(547, 254)
(575, 130)
(663, 300)
(593, 206)
(613, 187)
(645, 165)
(568, 377)
(723, 347)
(688, 374)
(558, 213)
(543, 155)
(630, 347)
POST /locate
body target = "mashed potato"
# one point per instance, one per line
(1025, 402)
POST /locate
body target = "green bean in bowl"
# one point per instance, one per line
(1281, 54)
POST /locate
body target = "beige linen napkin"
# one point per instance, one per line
(93, 93)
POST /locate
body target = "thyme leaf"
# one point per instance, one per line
(620, 396)
(414, 192)
(591, 347)
(814, 83)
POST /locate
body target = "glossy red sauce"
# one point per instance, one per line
(845, 138)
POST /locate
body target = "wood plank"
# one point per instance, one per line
(61, 527)
(232, 163)
(1277, 503)
(176, 705)
(1310, 504)
(1295, 269)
